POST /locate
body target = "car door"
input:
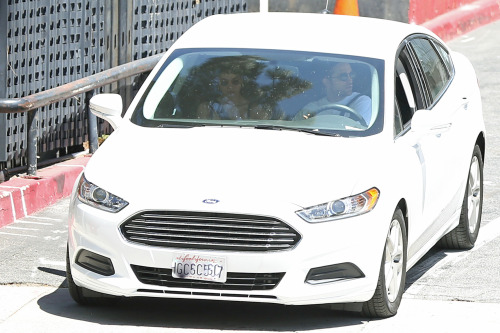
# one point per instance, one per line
(449, 107)
(429, 141)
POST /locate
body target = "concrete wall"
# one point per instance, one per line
(304, 6)
(446, 18)
(389, 9)
(396, 10)
(414, 11)
(421, 11)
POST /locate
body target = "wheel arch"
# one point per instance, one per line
(481, 142)
(404, 209)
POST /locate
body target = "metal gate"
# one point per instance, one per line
(47, 43)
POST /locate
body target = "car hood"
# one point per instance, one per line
(180, 168)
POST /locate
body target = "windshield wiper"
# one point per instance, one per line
(180, 125)
(304, 130)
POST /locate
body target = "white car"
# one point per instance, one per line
(282, 158)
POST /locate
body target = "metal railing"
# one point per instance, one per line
(86, 85)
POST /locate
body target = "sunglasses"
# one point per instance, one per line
(234, 82)
(344, 76)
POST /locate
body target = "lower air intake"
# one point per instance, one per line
(235, 281)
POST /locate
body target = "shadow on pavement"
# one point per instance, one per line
(199, 314)
(202, 314)
(52, 271)
(428, 261)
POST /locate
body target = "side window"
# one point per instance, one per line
(408, 96)
(435, 71)
(446, 58)
(406, 66)
(404, 97)
(398, 122)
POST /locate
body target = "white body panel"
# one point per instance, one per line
(277, 173)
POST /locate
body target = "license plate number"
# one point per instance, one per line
(199, 267)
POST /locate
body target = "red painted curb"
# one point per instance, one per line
(22, 196)
(464, 19)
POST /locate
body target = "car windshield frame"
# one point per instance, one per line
(187, 81)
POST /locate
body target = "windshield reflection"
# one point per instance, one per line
(265, 88)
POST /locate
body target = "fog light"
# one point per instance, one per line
(95, 263)
(333, 273)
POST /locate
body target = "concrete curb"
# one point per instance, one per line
(464, 19)
(22, 196)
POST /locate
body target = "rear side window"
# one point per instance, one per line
(435, 71)
(446, 57)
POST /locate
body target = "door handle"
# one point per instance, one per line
(442, 127)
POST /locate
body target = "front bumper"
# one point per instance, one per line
(357, 241)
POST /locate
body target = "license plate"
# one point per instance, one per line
(199, 267)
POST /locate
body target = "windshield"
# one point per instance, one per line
(320, 93)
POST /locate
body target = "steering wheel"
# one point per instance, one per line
(343, 109)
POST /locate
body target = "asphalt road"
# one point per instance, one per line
(447, 290)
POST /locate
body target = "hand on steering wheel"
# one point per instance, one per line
(344, 111)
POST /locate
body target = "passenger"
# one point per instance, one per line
(232, 105)
(338, 85)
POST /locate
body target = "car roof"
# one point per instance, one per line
(329, 33)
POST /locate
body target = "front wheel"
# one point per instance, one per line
(392, 277)
(464, 236)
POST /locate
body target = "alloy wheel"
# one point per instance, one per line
(393, 260)
(474, 194)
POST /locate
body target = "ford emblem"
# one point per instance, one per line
(210, 201)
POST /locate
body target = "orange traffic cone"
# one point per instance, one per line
(346, 7)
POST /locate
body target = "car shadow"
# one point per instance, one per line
(426, 263)
(225, 315)
(52, 271)
(199, 314)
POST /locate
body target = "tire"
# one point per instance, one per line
(392, 277)
(464, 236)
(82, 295)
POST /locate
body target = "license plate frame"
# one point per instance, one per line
(193, 266)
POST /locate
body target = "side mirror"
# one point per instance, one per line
(108, 107)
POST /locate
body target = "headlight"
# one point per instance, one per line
(99, 198)
(351, 206)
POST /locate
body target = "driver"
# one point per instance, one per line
(338, 84)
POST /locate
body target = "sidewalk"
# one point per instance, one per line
(22, 196)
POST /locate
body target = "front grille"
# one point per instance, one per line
(235, 281)
(211, 231)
